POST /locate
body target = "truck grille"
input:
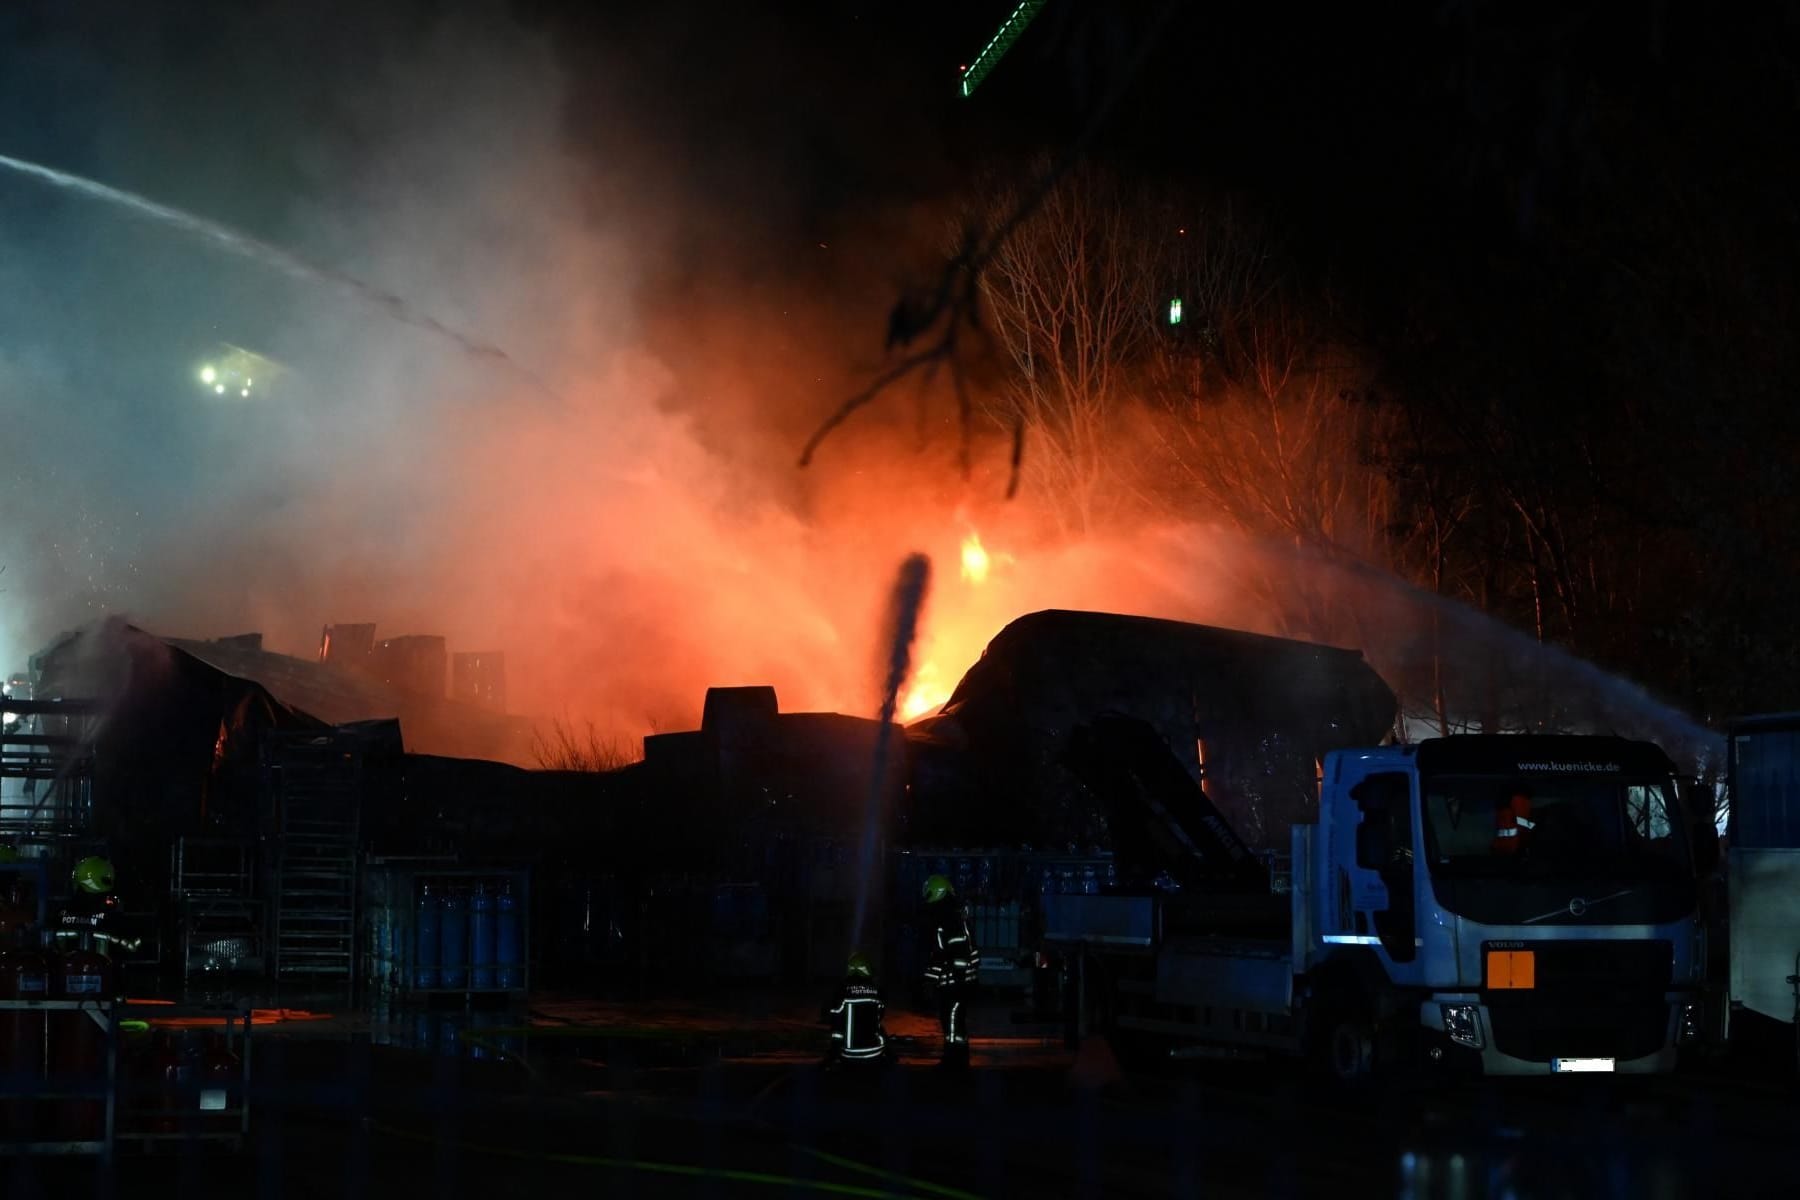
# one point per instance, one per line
(1602, 999)
(1552, 1031)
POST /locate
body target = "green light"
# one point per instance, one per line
(1175, 311)
(999, 44)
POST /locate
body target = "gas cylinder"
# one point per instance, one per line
(27, 977)
(135, 1091)
(507, 948)
(172, 1075)
(426, 938)
(77, 1042)
(453, 944)
(481, 939)
(221, 1085)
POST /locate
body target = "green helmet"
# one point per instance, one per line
(937, 887)
(858, 966)
(94, 874)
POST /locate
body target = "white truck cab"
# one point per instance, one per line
(1532, 898)
(1512, 905)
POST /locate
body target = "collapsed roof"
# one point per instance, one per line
(431, 724)
(114, 661)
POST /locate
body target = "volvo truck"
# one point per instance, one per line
(1502, 905)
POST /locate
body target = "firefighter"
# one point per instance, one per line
(93, 908)
(1513, 824)
(855, 1017)
(93, 876)
(952, 965)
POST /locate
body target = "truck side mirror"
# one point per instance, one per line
(1706, 846)
(1697, 808)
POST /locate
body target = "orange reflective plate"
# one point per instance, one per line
(1511, 969)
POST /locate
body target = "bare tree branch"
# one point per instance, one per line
(565, 749)
(954, 303)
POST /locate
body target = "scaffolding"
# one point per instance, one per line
(46, 771)
(315, 779)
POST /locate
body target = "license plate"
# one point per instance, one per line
(212, 1100)
(1561, 1065)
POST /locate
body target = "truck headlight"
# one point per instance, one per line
(1462, 1022)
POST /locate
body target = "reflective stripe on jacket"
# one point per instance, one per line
(1511, 822)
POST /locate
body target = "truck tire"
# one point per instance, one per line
(1346, 1044)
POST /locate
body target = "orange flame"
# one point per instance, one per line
(925, 693)
(928, 688)
(975, 561)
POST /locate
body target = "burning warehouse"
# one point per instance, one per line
(193, 757)
(736, 843)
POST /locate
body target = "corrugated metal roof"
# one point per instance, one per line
(429, 724)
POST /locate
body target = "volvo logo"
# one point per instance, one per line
(1577, 907)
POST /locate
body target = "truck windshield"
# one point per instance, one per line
(1554, 826)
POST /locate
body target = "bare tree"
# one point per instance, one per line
(564, 748)
(1071, 300)
(938, 318)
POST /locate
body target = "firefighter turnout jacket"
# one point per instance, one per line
(856, 1025)
(953, 958)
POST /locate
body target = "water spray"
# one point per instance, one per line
(1680, 733)
(905, 603)
(1615, 691)
(276, 259)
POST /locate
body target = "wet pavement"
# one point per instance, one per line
(671, 1098)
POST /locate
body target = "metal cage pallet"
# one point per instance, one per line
(117, 1082)
(395, 895)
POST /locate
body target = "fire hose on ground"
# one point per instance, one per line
(916, 1187)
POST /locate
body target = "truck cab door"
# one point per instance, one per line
(1372, 860)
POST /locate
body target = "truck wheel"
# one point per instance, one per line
(1346, 1049)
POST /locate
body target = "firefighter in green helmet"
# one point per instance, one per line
(93, 907)
(855, 1016)
(952, 964)
(93, 875)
